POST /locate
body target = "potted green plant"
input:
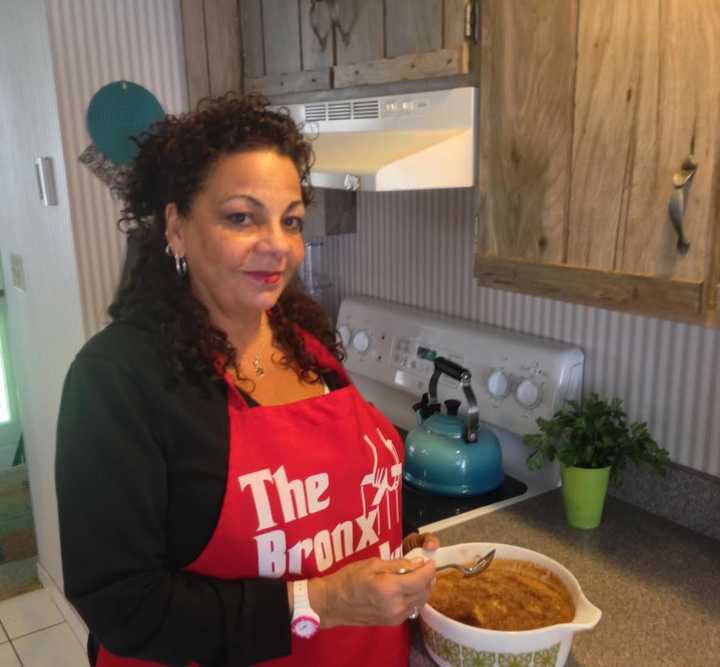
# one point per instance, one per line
(594, 443)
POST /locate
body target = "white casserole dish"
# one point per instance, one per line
(454, 644)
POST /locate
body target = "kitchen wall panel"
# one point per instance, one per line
(95, 42)
(416, 248)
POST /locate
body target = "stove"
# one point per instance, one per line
(516, 379)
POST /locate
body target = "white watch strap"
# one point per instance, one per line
(301, 599)
(305, 621)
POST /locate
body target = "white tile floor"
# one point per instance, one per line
(33, 633)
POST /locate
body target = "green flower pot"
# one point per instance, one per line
(584, 491)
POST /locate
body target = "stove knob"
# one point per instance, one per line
(528, 394)
(344, 332)
(361, 341)
(498, 384)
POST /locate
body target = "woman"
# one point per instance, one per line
(223, 489)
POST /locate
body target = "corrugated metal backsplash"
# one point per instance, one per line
(416, 248)
(96, 42)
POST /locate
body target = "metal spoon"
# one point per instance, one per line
(478, 566)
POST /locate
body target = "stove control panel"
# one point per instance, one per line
(516, 377)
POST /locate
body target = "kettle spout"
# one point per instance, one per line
(421, 407)
(424, 409)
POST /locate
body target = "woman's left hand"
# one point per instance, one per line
(427, 541)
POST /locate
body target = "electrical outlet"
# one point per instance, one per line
(17, 271)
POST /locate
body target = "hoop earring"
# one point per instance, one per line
(180, 262)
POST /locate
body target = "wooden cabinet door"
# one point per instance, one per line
(412, 39)
(647, 96)
(526, 120)
(581, 131)
(281, 51)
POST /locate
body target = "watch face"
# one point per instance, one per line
(305, 626)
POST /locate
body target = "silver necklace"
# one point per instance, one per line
(258, 366)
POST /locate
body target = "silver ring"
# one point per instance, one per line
(414, 614)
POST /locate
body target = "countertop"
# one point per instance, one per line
(656, 582)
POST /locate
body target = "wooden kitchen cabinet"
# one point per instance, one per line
(279, 47)
(587, 111)
(410, 40)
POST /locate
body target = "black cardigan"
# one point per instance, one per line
(141, 473)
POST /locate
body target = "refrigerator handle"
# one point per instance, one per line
(46, 181)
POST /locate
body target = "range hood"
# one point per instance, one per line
(413, 141)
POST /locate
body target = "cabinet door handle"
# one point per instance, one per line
(681, 181)
(472, 21)
(322, 38)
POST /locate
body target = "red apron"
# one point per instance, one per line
(311, 486)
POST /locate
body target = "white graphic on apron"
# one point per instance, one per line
(385, 481)
(300, 498)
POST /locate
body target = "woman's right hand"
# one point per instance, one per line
(369, 592)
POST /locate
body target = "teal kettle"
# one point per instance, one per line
(446, 454)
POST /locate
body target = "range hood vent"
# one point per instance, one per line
(315, 112)
(396, 142)
(351, 110)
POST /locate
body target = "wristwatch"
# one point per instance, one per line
(305, 621)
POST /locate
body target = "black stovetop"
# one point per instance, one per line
(421, 508)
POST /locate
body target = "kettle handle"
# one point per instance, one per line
(463, 375)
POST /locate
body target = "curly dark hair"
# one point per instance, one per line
(174, 158)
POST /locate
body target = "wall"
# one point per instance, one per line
(11, 430)
(96, 42)
(416, 248)
(54, 56)
(45, 321)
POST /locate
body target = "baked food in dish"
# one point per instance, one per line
(509, 595)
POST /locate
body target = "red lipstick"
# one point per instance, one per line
(265, 277)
